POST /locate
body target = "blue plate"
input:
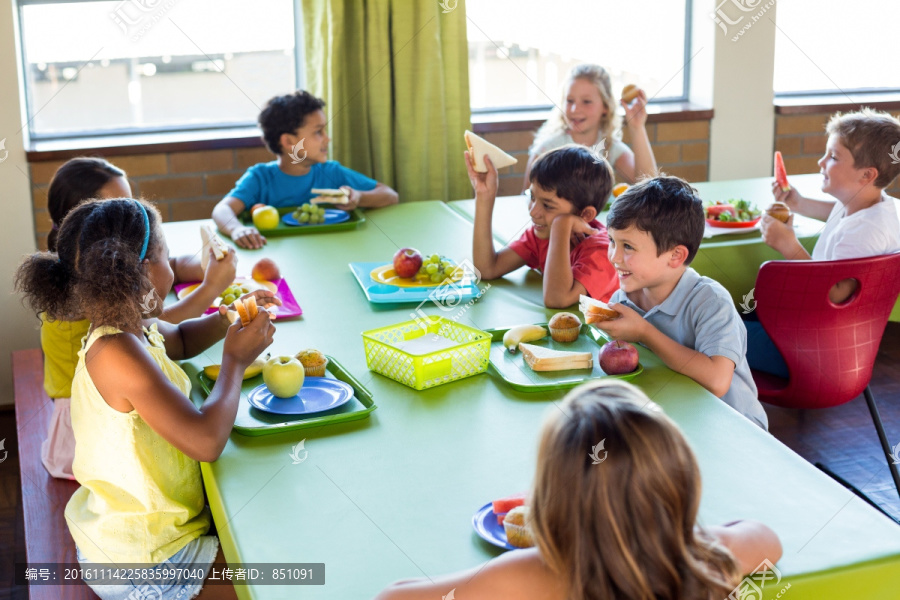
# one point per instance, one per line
(317, 395)
(447, 298)
(485, 523)
(333, 216)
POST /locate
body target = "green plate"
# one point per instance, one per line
(250, 421)
(513, 369)
(357, 218)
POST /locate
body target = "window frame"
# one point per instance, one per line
(299, 75)
(685, 72)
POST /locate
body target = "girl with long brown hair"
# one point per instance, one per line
(622, 528)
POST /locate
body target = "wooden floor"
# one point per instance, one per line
(843, 438)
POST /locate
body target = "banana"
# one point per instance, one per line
(522, 333)
(212, 371)
(255, 368)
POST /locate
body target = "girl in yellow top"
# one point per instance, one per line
(139, 436)
(617, 523)
(77, 180)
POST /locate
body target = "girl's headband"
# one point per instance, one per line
(146, 230)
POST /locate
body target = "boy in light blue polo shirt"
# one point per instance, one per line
(293, 128)
(688, 321)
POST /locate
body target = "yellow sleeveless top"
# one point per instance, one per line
(60, 341)
(141, 499)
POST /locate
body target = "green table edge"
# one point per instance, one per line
(335, 368)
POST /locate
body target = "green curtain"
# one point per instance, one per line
(395, 77)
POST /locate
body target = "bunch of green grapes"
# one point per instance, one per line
(437, 268)
(233, 292)
(310, 213)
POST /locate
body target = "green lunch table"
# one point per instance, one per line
(393, 496)
(732, 259)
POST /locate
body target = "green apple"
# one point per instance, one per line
(284, 376)
(266, 218)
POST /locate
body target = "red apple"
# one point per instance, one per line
(407, 262)
(265, 270)
(255, 206)
(618, 358)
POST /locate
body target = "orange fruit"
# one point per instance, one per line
(617, 191)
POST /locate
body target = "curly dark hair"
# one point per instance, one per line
(285, 114)
(574, 173)
(96, 273)
(667, 208)
(77, 180)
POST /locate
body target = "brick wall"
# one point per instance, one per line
(681, 148)
(184, 185)
(801, 139)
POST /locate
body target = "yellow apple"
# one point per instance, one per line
(284, 376)
(266, 218)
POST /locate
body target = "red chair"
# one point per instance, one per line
(829, 348)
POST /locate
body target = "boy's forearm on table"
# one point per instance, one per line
(380, 196)
(225, 218)
(696, 365)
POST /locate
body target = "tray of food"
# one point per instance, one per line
(559, 355)
(412, 277)
(288, 393)
(300, 220)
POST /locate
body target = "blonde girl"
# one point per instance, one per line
(589, 117)
(623, 529)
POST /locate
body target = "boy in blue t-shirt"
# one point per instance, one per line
(293, 128)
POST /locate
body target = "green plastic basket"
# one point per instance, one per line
(468, 357)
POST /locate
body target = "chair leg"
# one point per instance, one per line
(879, 426)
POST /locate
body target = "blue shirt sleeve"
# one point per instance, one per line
(334, 175)
(247, 189)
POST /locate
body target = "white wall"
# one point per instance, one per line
(742, 133)
(17, 325)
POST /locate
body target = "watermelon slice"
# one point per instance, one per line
(781, 172)
(715, 211)
(501, 518)
(504, 505)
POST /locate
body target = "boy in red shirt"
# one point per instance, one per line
(569, 187)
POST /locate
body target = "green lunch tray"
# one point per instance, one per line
(356, 219)
(255, 422)
(513, 369)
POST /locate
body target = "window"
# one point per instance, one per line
(521, 50)
(834, 46)
(97, 67)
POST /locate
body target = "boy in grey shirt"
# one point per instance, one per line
(688, 321)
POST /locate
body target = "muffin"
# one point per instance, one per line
(313, 361)
(516, 525)
(780, 211)
(564, 327)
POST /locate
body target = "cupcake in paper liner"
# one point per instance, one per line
(515, 525)
(564, 327)
(313, 361)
